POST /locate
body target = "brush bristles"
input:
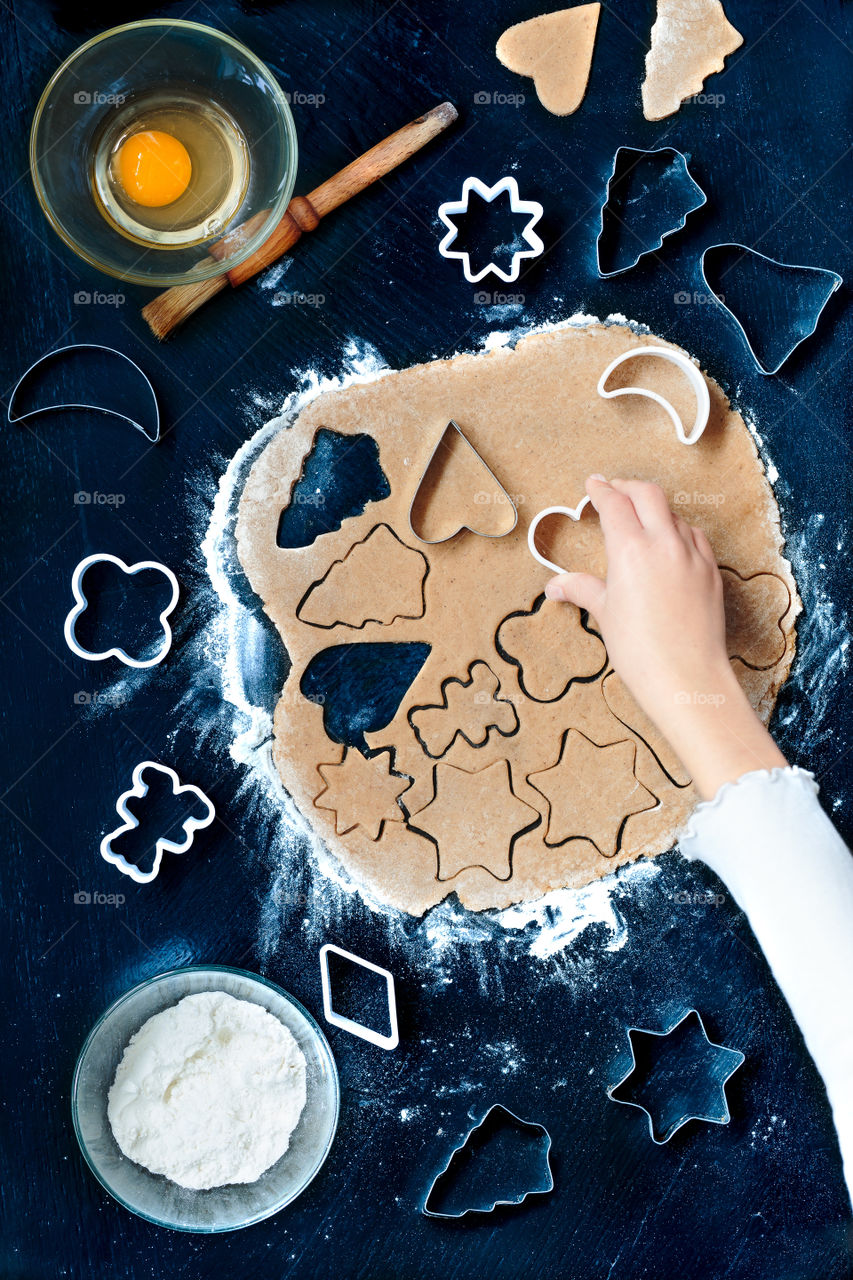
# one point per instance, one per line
(170, 309)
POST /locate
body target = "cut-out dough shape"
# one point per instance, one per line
(474, 819)
(551, 648)
(749, 603)
(691, 371)
(458, 491)
(626, 711)
(362, 792)
(471, 709)
(690, 40)
(502, 1161)
(453, 208)
(554, 49)
(379, 580)
(648, 199)
(586, 801)
(340, 476)
(775, 305)
(360, 686)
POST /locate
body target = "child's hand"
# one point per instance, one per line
(661, 616)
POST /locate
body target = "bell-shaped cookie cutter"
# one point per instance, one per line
(49, 357)
(732, 1058)
(164, 845)
(359, 1029)
(618, 170)
(691, 371)
(536, 1131)
(450, 208)
(834, 282)
(82, 603)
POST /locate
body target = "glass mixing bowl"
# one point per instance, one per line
(153, 1196)
(130, 63)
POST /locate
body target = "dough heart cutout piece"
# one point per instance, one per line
(459, 491)
(555, 50)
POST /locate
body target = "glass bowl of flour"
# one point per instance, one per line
(153, 1195)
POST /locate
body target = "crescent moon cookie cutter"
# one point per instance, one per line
(12, 417)
(622, 168)
(138, 790)
(82, 603)
(693, 374)
(797, 332)
(450, 208)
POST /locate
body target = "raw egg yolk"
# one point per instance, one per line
(154, 168)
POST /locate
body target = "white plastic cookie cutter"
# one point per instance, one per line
(163, 845)
(574, 513)
(691, 371)
(82, 603)
(517, 205)
(389, 1041)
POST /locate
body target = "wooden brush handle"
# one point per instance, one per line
(304, 212)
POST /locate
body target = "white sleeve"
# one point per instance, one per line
(771, 843)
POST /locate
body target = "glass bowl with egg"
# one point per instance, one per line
(156, 1197)
(163, 152)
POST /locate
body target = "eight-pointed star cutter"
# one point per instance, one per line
(450, 208)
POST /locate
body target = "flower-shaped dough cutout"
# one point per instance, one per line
(749, 603)
(552, 648)
(82, 604)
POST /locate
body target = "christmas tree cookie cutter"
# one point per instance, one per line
(82, 603)
(541, 1180)
(189, 826)
(451, 208)
(625, 162)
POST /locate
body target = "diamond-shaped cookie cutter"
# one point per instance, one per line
(531, 207)
(189, 826)
(389, 1041)
(535, 1130)
(834, 279)
(736, 1060)
(618, 171)
(82, 603)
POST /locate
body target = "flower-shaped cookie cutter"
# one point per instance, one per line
(82, 603)
(541, 1183)
(359, 1029)
(163, 845)
(726, 1063)
(450, 208)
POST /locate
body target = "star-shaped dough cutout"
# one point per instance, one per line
(588, 801)
(362, 792)
(474, 819)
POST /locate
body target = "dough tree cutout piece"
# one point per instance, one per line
(690, 40)
(587, 801)
(474, 819)
(459, 491)
(752, 605)
(626, 710)
(555, 49)
(340, 476)
(362, 791)
(552, 647)
(471, 709)
(379, 580)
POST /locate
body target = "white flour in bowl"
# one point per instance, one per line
(208, 1092)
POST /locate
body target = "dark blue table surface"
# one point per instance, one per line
(484, 1018)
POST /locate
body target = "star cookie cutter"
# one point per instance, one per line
(621, 169)
(516, 204)
(728, 1062)
(799, 333)
(541, 1164)
(82, 603)
(359, 1029)
(50, 356)
(163, 845)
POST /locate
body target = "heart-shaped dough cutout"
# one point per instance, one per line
(555, 50)
(459, 491)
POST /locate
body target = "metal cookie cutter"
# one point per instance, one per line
(389, 1041)
(687, 367)
(677, 173)
(668, 1098)
(163, 845)
(806, 314)
(504, 1190)
(517, 205)
(96, 408)
(433, 542)
(82, 604)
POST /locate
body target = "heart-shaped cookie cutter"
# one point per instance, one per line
(574, 513)
(516, 204)
(82, 603)
(433, 542)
